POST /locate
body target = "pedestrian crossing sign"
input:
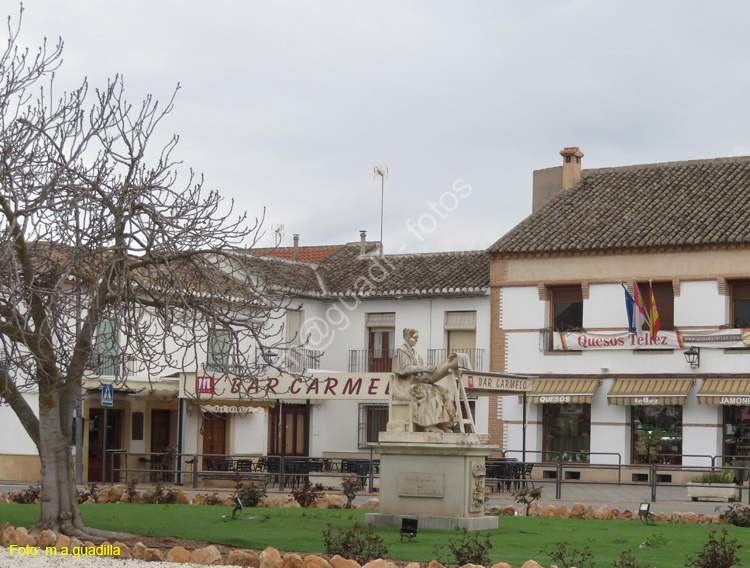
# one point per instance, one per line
(108, 395)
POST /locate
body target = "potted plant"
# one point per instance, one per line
(714, 485)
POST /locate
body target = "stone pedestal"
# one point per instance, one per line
(434, 476)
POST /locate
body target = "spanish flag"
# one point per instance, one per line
(640, 316)
(654, 323)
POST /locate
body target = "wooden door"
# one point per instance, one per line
(161, 434)
(381, 344)
(214, 438)
(293, 434)
(96, 441)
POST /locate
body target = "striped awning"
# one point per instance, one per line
(727, 392)
(562, 391)
(649, 392)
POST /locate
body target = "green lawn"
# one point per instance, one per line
(517, 539)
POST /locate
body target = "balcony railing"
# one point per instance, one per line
(294, 360)
(476, 357)
(370, 360)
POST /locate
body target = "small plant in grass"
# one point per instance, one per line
(737, 515)
(565, 558)
(88, 492)
(657, 540)
(471, 549)
(627, 560)
(358, 543)
(250, 494)
(526, 496)
(308, 494)
(350, 485)
(717, 553)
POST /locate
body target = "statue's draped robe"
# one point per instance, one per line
(433, 403)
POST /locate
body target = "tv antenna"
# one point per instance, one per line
(278, 229)
(381, 171)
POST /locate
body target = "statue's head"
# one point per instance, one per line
(411, 335)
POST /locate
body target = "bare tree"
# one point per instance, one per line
(95, 228)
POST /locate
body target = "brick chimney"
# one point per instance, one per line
(571, 170)
(551, 181)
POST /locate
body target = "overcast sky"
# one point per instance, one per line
(290, 105)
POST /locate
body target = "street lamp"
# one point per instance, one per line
(693, 357)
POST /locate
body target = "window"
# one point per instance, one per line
(740, 304)
(566, 308)
(657, 434)
(219, 353)
(373, 419)
(736, 430)
(381, 341)
(107, 347)
(664, 296)
(462, 337)
(567, 430)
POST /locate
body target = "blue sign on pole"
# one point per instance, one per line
(108, 395)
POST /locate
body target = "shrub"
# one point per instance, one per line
(27, 496)
(717, 553)
(130, 489)
(357, 543)
(308, 494)
(527, 496)
(88, 492)
(163, 496)
(350, 484)
(471, 549)
(567, 559)
(737, 515)
(212, 499)
(627, 560)
(250, 494)
(726, 476)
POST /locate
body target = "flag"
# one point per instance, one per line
(640, 317)
(629, 305)
(654, 322)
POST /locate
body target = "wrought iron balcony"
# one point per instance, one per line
(476, 357)
(370, 360)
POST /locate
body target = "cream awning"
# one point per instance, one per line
(649, 392)
(562, 391)
(727, 392)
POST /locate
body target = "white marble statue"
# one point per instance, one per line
(432, 407)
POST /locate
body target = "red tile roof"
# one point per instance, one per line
(306, 254)
(677, 205)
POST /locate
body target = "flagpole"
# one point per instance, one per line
(383, 173)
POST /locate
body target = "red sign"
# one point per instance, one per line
(204, 385)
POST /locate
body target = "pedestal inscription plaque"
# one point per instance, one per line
(420, 484)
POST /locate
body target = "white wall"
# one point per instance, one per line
(14, 440)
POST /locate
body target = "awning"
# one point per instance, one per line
(562, 391)
(649, 392)
(728, 392)
(218, 406)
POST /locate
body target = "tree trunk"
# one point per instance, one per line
(59, 507)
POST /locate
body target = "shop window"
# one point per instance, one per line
(664, 297)
(657, 434)
(566, 308)
(740, 304)
(567, 431)
(373, 419)
(736, 430)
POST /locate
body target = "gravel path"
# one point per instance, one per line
(40, 560)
